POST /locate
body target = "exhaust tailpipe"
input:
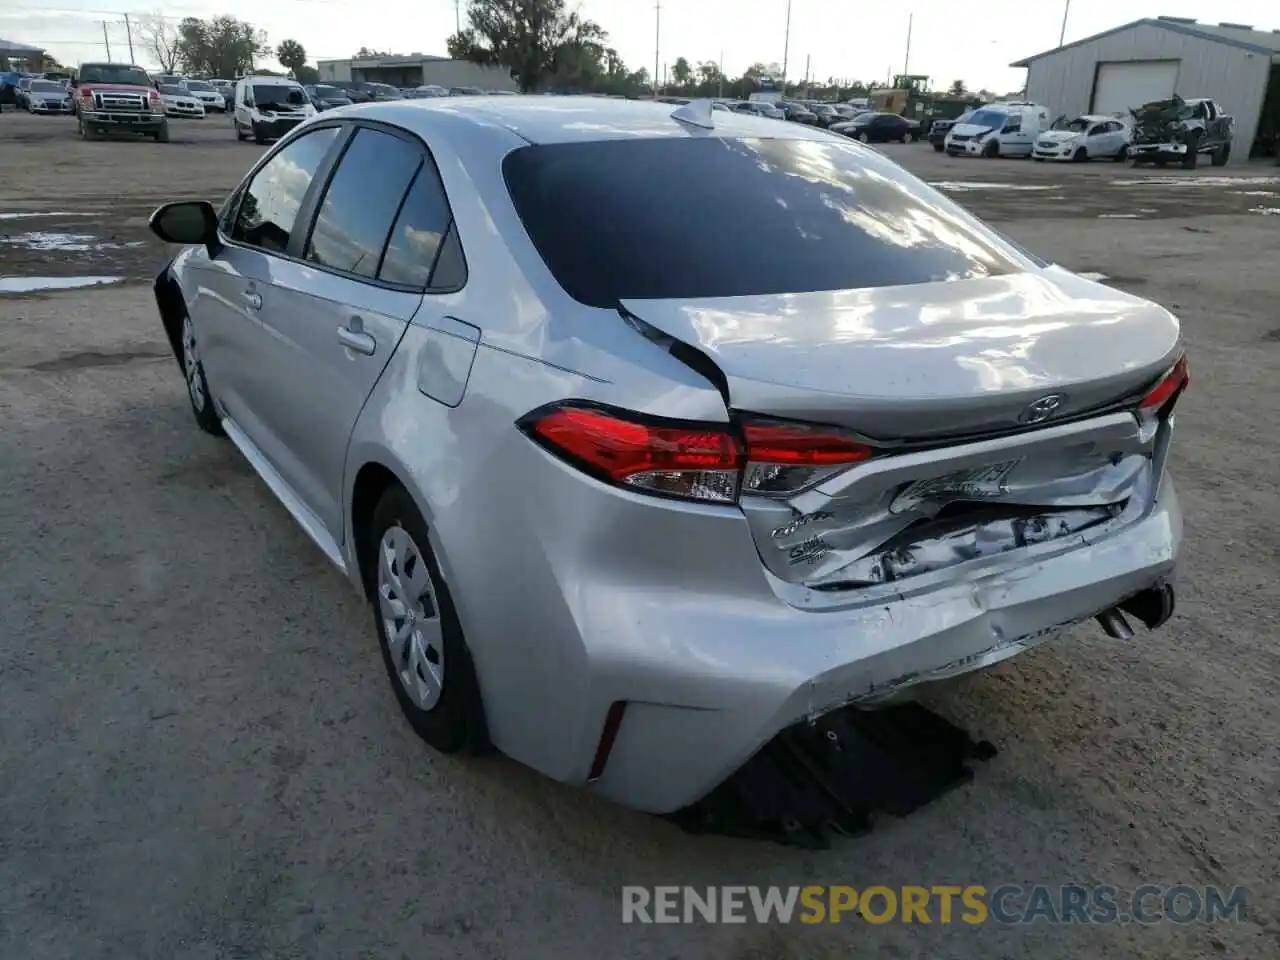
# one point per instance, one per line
(1115, 624)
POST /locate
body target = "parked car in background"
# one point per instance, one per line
(465, 92)
(382, 92)
(862, 443)
(48, 97)
(428, 91)
(760, 108)
(324, 96)
(178, 102)
(118, 98)
(826, 113)
(1088, 137)
(1180, 130)
(797, 112)
(170, 80)
(353, 89)
(266, 108)
(9, 88)
(23, 89)
(880, 128)
(940, 127)
(1007, 129)
(208, 95)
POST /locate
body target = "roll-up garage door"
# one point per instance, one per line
(1121, 86)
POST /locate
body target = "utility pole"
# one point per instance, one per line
(786, 46)
(106, 39)
(128, 32)
(906, 63)
(657, 43)
(457, 16)
(1062, 35)
(807, 89)
(720, 91)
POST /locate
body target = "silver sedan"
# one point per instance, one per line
(650, 433)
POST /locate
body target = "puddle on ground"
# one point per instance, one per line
(961, 186)
(1194, 181)
(70, 242)
(1266, 211)
(51, 213)
(35, 284)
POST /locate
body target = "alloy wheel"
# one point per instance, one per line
(191, 367)
(412, 628)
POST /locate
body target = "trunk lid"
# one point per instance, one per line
(961, 360)
(927, 360)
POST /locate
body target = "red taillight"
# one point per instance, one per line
(695, 461)
(1174, 382)
(691, 460)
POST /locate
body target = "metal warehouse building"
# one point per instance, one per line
(417, 70)
(1153, 59)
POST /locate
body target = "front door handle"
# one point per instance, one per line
(252, 300)
(354, 337)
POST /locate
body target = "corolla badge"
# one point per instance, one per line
(1040, 410)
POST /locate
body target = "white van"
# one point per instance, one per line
(998, 130)
(267, 108)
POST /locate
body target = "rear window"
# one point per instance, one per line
(707, 217)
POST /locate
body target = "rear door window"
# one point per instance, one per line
(686, 217)
(362, 201)
(269, 204)
(419, 232)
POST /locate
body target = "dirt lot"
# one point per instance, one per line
(201, 759)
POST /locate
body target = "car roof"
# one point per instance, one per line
(267, 81)
(541, 120)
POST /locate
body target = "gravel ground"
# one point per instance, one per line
(201, 757)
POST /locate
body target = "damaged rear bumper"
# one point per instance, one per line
(761, 671)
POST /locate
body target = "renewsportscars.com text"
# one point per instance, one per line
(936, 904)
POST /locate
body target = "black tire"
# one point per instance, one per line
(1192, 156)
(457, 719)
(1080, 156)
(1038, 159)
(1121, 155)
(162, 135)
(203, 410)
(938, 148)
(258, 136)
(908, 138)
(239, 133)
(1221, 155)
(86, 132)
(1162, 163)
(991, 150)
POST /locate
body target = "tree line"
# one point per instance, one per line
(543, 44)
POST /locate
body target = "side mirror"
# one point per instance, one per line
(187, 222)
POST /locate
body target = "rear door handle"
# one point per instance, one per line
(354, 337)
(252, 300)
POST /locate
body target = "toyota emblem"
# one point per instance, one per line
(1041, 409)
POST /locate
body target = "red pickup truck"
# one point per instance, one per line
(118, 98)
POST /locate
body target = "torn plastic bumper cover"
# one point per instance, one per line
(833, 775)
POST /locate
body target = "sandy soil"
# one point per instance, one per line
(200, 757)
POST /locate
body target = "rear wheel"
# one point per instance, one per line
(421, 638)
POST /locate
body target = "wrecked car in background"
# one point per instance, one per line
(1178, 131)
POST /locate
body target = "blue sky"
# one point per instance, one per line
(949, 41)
